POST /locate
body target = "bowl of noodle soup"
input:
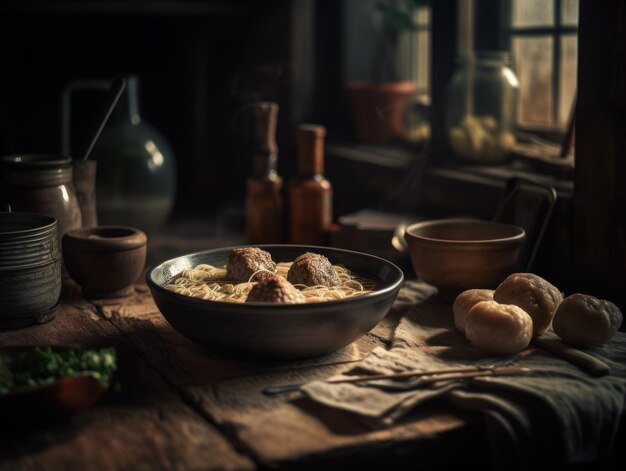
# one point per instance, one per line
(195, 298)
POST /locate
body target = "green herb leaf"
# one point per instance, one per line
(42, 365)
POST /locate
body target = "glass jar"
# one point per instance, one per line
(481, 105)
(417, 120)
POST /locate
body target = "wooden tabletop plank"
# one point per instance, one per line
(185, 406)
(289, 428)
(274, 430)
(184, 362)
(144, 426)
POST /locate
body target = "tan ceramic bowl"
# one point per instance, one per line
(105, 260)
(459, 254)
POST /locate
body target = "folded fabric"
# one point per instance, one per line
(556, 414)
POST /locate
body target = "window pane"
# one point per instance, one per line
(533, 65)
(569, 12)
(418, 60)
(569, 51)
(532, 13)
(421, 16)
(414, 58)
(423, 61)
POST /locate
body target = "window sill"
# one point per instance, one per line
(377, 172)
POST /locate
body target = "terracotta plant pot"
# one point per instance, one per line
(378, 110)
(105, 260)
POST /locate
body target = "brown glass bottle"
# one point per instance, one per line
(264, 203)
(310, 194)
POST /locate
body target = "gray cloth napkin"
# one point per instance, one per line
(557, 414)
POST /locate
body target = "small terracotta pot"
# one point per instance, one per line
(378, 110)
(105, 260)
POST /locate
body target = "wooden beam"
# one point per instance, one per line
(444, 51)
(600, 174)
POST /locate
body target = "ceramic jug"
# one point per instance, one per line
(42, 183)
(136, 178)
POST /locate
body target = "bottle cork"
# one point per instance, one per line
(264, 116)
(311, 148)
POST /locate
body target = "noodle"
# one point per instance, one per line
(209, 282)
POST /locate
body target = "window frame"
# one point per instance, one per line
(426, 27)
(556, 31)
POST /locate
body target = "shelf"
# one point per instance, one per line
(398, 157)
(395, 156)
(130, 8)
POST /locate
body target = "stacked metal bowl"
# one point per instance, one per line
(30, 269)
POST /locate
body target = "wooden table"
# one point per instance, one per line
(183, 406)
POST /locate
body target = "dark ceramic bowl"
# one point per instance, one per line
(460, 254)
(285, 331)
(105, 260)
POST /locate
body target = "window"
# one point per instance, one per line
(414, 51)
(543, 39)
(414, 61)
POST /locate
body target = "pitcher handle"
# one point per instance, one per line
(66, 107)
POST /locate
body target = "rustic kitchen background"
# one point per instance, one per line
(200, 63)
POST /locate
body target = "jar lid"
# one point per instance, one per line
(36, 161)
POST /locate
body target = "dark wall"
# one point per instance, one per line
(199, 64)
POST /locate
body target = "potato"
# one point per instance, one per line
(584, 321)
(498, 329)
(533, 294)
(466, 301)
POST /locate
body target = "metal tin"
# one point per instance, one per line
(30, 269)
(27, 240)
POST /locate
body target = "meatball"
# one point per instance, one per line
(244, 261)
(261, 275)
(274, 289)
(312, 269)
